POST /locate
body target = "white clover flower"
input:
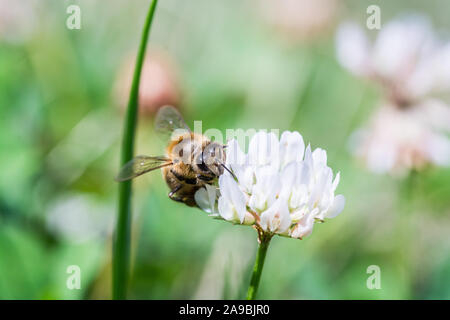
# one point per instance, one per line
(280, 187)
(406, 57)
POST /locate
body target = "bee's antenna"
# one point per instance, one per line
(225, 167)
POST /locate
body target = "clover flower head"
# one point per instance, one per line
(279, 186)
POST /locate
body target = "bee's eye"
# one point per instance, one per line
(180, 153)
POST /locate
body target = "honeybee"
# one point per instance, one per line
(191, 160)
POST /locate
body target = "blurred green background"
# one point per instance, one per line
(60, 128)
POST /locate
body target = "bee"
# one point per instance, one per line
(191, 161)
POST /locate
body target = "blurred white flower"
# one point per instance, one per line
(411, 63)
(79, 218)
(399, 140)
(406, 57)
(280, 187)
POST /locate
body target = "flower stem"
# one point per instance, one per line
(264, 241)
(121, 247)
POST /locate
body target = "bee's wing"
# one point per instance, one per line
(169, 121)
(140, 165)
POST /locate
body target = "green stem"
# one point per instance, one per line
(264, 242)
(121, 246)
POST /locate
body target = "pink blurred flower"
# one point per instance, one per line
(159, 82)
(17, 20)
(300, 19)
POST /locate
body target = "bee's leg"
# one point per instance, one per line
(173, 192)
(177, 199)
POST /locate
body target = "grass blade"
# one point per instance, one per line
(121, 245)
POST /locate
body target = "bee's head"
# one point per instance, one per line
(211, 160)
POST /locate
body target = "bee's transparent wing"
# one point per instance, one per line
(140, 165)
(169, 121)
